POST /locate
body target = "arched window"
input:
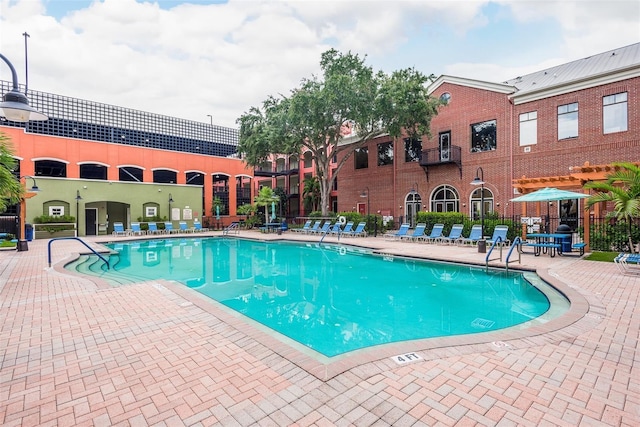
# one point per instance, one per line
(51, 168)
(445, 199)
(476, 201)
(412, 205)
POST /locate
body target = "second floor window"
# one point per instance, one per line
(484, 136)
(412, 149)
(614, 113)
(568, 121)
(385, 153)
(361, 156)
(529, 128)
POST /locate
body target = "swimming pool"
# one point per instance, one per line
(333, 299)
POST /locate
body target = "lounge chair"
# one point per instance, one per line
(499, 236)
(474, 236)
(454, 235)
(348, 228)
(136, 230)
(168, 228)
(358, 232)
(184, 228)
(118, 229)
(418, 233)
(628, 263)
(435, 235)
(153, 228)
(324, 229)
(305, 227)
(402, 231)
(335, 228)
(314, 228)
(197, 227)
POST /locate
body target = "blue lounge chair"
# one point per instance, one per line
(118, 229)
(314, 228)
(358, 232)
(499, 236)
(454, 235)
(628, 263)
(402, 231)
(153, 228)
(335, 228)
(324, 229)
(435, 235)
(197, 227)
(305, 227)
(183, 227)
(168, 228)
(136, 230)
(418, 233)
(348, 228)
(474, 236)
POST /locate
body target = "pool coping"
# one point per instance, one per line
(584, 314)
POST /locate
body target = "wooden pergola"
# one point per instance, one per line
(574, 181)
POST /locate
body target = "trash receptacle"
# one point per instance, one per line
(565, 243)
(28, 232)
(482, 246)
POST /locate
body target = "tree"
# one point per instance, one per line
(622, 188)
(11, 191)
(314, 116)
(311, 193)
(265, 198)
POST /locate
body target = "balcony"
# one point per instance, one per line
(432, 157)
(271, 173)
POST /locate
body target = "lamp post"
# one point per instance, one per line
(78, 198)
(15, 105)
(365, 193)
(22, 210)
(479, 180)
(170, 201)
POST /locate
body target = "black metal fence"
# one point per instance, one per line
(9, 224)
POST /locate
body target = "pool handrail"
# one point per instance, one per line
(495, 243)
(517, 243)
(79, 240)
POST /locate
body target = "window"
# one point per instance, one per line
(130, 174)
(483, 136)
(568, 121)
(445, 98)
(614, 113)
(56, 210)
(412, 149)
(361, 156)
(308, 159)
(476, 203)
(529, 128)
(445, 199)
(385, 153)
(93, 171)
(150, 211)
(165, 176)
(51, 168)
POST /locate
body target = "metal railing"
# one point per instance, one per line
(79, 240)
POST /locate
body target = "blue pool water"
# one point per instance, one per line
(335, 299)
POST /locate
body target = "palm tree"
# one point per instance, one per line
(264, 198)
(622, 188)
(311, 192)
(10, 189)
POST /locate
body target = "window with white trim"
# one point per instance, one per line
(614, 113)
(568, 121)
(56, 210)
(529, 128)
(150, 211)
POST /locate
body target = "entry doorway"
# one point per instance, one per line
(90, 222)
(413, 203)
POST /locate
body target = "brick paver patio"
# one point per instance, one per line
(75, 352)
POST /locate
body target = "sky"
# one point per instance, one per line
(212, 60)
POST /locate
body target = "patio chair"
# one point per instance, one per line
(474, 236)
(136, 230)
(435, 235)
(499, 236)
(358, 232)
(118, 229)
(324, 229)
(183, 227)
(454, 235)
(168, 228)
(314, 228)
(305, 227)
(418, 233)
(197, 227)
(628, 263)
(348, 228)
(153, 228)
(402, 231)
(335, 228)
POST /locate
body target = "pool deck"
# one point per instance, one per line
(74, 351)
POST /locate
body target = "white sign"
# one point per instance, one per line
(403, 359)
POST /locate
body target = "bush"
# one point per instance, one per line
(46, 219)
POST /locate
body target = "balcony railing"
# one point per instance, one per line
(435, 156)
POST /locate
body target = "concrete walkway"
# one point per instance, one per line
(75, 352)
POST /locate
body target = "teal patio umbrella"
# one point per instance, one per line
(549, 194)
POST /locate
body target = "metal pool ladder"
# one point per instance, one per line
(79, 240)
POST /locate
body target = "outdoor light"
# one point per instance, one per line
(78, 198)
(479, 180)
(15, 105)
(170, 201)
(22, 209)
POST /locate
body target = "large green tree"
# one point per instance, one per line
(622, 189)
(10, 189)
(314, 116)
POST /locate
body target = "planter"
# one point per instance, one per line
(51, 235)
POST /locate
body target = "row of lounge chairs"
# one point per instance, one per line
(136, 230)
(628, 263)
(454, 237)
(336, 229)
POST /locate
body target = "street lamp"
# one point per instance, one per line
(78, 198)
(170, 201)
(15, 105)
(479, 180)
(22, 210)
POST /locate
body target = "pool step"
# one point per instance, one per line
(93, 266)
